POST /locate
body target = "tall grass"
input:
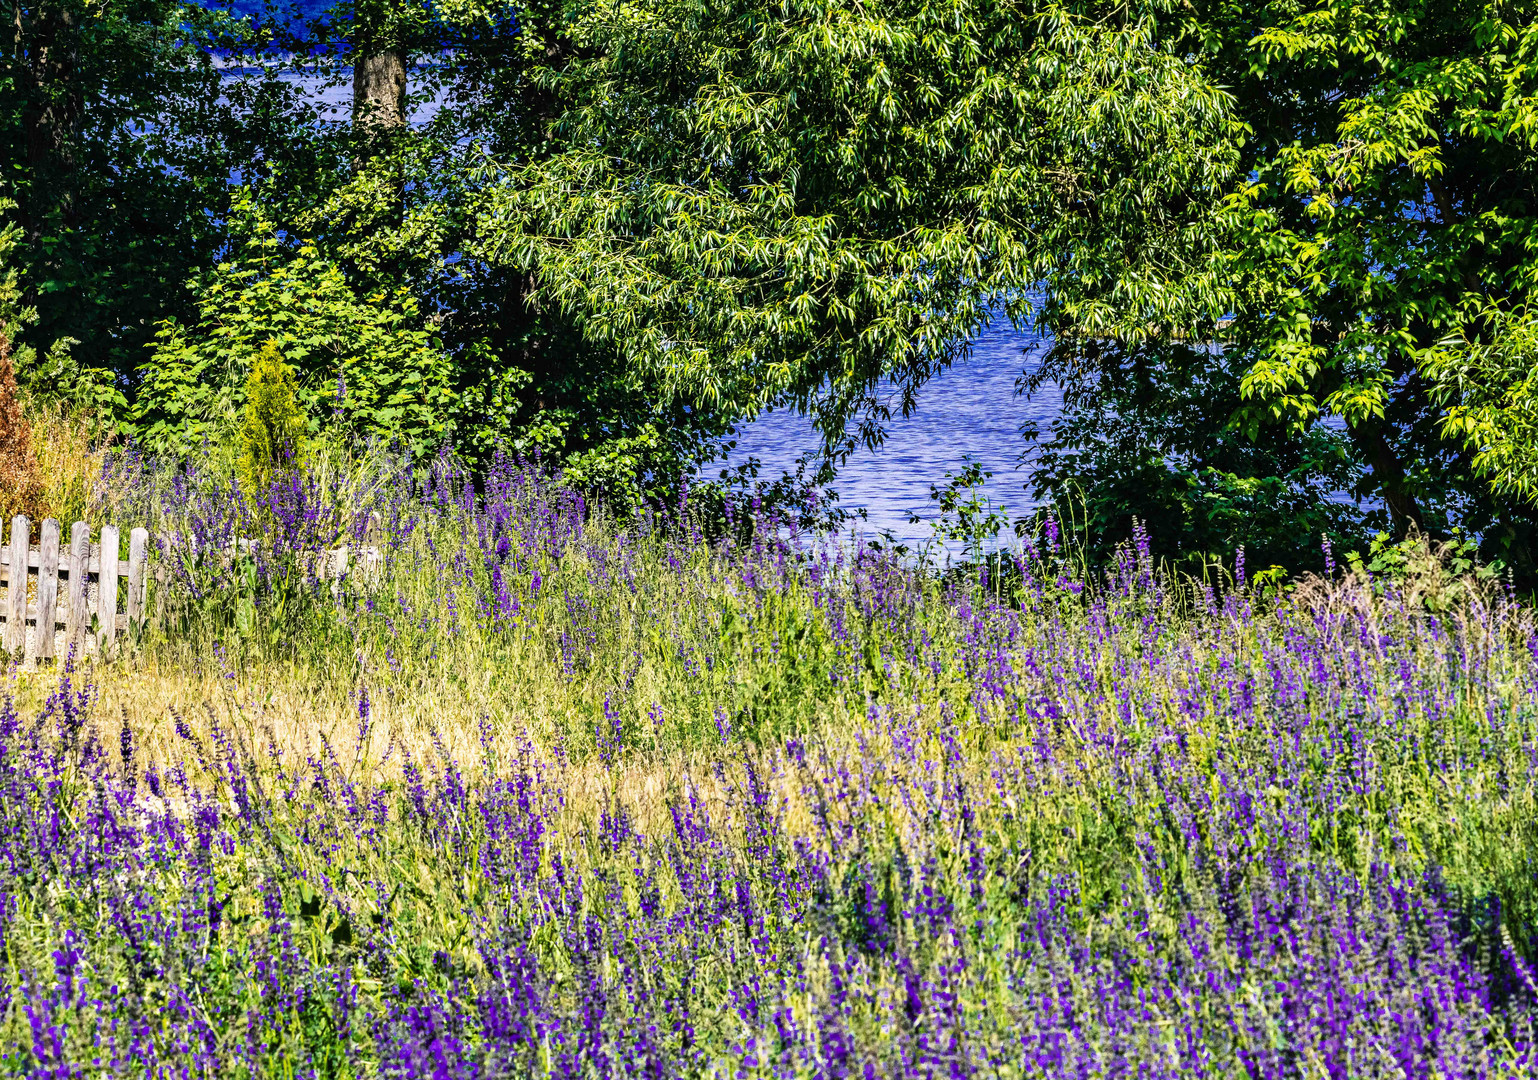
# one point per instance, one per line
(52, 460)
(557, 793)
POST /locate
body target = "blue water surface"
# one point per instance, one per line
(969, 412)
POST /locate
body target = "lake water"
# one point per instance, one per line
(971, 410)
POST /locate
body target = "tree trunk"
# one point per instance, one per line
(1389, 470)
(45, 49)
(379, 88)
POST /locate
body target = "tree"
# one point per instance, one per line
(801, 202)
(405, 217)
(1379, 263)
(1490, 387)
(380, 32)
(119, 132)
(1143, 434)
(274, 431)
(370, 361)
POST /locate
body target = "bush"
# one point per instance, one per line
(273, 437)
(21, 483)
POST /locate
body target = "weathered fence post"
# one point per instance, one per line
(16, 595)
(106, 591)
(138, 545)
(79, 568)
(337, 568)
(47, 587)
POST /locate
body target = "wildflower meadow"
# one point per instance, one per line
(543, 790)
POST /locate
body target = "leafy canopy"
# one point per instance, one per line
(1388, 225)
(121, 126)
(371, 362)
(1377, 262)
(818, 204)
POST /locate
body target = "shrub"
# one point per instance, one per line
(273, 436)
(21, 484)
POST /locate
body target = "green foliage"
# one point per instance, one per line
(793, 203)
(371, 362)
(128, 121)
(1439, 576)
(55, 374)
(13, 315)
(401, 219)
(1490, 387)
(1142, 435)
(273, 436)
(120, 127)
(967, 515)
(1285, 251)
(1376, 248)
(1353, 262)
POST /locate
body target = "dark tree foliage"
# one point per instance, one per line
(818, 204)
(1368, 327)
(119, 135)
(378, 232)
(1285, 250)
(1137, 438)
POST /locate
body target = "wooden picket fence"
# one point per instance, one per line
(87, 585)
(51, 589)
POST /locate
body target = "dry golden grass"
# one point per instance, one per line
(70, 449)
(289, 709)
(51, 457)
